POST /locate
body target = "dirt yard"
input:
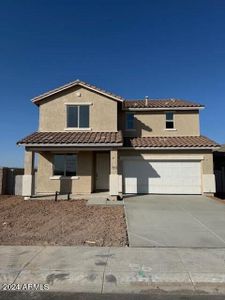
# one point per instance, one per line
(46, 222)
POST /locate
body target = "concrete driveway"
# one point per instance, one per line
(175, 221)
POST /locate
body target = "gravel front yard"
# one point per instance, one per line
(45, 222)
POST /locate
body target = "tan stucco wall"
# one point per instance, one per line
(86, 175)
(82, 185)
(153, 123)
(103, 111)
(207, 162)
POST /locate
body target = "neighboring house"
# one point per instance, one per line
(219, 167)
(91, 140)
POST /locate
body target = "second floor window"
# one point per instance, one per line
(169, 120)
(129, 121)
(65, 165)
(78, 116)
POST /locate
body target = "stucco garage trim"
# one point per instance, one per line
(166, 158)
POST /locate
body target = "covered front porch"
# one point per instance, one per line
(77, 172)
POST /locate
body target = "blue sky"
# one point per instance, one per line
(135, 48)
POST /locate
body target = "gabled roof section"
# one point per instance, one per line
(77, 82)
(160, 104)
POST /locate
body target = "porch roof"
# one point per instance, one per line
(187, 142)
(73, 138)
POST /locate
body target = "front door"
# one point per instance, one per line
(102, 171)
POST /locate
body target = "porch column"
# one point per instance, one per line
(114, 162)
(115, 187)
(27, 189)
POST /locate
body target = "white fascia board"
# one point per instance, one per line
(72, 145)
(170, 148)
(164, 108)
(100, 92)
(81, 84)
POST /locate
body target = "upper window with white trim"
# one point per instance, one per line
(78, 116)
(129, 121)
(169, 120)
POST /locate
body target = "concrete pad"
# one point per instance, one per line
(71, 258)
(146, 240)
(199, 278)
(8, 276)
(167, 277)
(64, 280)
(15, 257)
(203, 260)
(97, 201)
(175, 221)
(103, 201)
(220, 233)
(126, 282)
(148, 260)
(145, 283)
(195, 238)
(145, 265)
(120, 270)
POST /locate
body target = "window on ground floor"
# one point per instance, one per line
(65, 165)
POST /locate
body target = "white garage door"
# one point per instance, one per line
(162, 177)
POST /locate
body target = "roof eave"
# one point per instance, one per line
(72, 145)
(36, 100)
(171, 148)
(163, 108)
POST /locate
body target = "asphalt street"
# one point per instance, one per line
(85, 296)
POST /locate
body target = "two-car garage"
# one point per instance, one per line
(171, 176)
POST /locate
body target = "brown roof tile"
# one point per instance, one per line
(72, 84)
(160, 103)
(75, 138)
(151, 103)
(170, 142)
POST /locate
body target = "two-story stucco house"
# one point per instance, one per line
(90, 140)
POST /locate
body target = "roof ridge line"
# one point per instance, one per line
(74, 83)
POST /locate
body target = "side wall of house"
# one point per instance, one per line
(153, 123)
(103, 110)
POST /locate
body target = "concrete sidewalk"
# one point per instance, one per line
(115, 270)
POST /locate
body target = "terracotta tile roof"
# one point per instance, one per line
(78, 137)
(160, 103)
(151, 103)
(75, 138)
(170, 142)
(72, 84)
